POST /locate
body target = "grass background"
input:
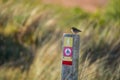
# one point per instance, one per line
(31, 33)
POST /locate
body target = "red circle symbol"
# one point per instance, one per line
(67, 51)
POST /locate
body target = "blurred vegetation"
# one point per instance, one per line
(31, 33)
(113, 10)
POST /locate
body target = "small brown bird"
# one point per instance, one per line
(75, 30)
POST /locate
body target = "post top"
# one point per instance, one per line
(70, 34)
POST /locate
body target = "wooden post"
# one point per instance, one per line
(70, 56)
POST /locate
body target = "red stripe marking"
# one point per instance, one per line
(67, 62)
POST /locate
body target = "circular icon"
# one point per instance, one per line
(68, 51)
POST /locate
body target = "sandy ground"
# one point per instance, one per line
(88, 5)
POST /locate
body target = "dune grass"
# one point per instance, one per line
(34, 30)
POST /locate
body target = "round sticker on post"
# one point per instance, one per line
(67, 51)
